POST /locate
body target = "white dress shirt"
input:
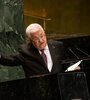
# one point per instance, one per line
(49, 59)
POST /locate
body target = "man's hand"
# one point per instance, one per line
(77, 68)
(74, 66)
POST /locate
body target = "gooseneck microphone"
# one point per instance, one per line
(73, 53)
(75, 65)
(83, 52)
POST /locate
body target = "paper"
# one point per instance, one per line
(72, 67)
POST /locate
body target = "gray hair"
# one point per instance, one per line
(32, 28)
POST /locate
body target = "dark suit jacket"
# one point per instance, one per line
(30, 59)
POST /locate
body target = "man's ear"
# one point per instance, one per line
(28, 40)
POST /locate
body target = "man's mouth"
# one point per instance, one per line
(41, 43)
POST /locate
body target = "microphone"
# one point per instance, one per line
(73, 53)
(83, 52)
(77, 58)
(75, 65)
(71, 60)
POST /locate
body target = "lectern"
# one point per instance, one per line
(73, 86)
(61, 86)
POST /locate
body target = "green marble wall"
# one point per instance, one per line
(11, 35)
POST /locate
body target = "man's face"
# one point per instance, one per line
(39, 40)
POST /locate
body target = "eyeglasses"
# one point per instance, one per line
(37, 39)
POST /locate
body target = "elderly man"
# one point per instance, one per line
(38, 56)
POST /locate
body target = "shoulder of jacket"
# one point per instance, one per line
(23, 47)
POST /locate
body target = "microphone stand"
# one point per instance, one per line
(73, 53)
(83, 52)
(74, 60)
(77, 58)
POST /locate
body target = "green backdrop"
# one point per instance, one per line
(11, 35)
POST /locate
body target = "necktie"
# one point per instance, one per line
(44, 56)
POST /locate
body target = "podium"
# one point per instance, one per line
(73, 86)
(61, 86)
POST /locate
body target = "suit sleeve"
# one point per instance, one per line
(11, 60)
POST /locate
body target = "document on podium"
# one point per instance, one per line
(72, 67)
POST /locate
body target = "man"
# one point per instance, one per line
(30, 56)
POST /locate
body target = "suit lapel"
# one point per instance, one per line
(35, 53)
(52, 51)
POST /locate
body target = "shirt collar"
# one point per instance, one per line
(46, 48)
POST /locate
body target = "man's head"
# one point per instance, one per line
(36, 35)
